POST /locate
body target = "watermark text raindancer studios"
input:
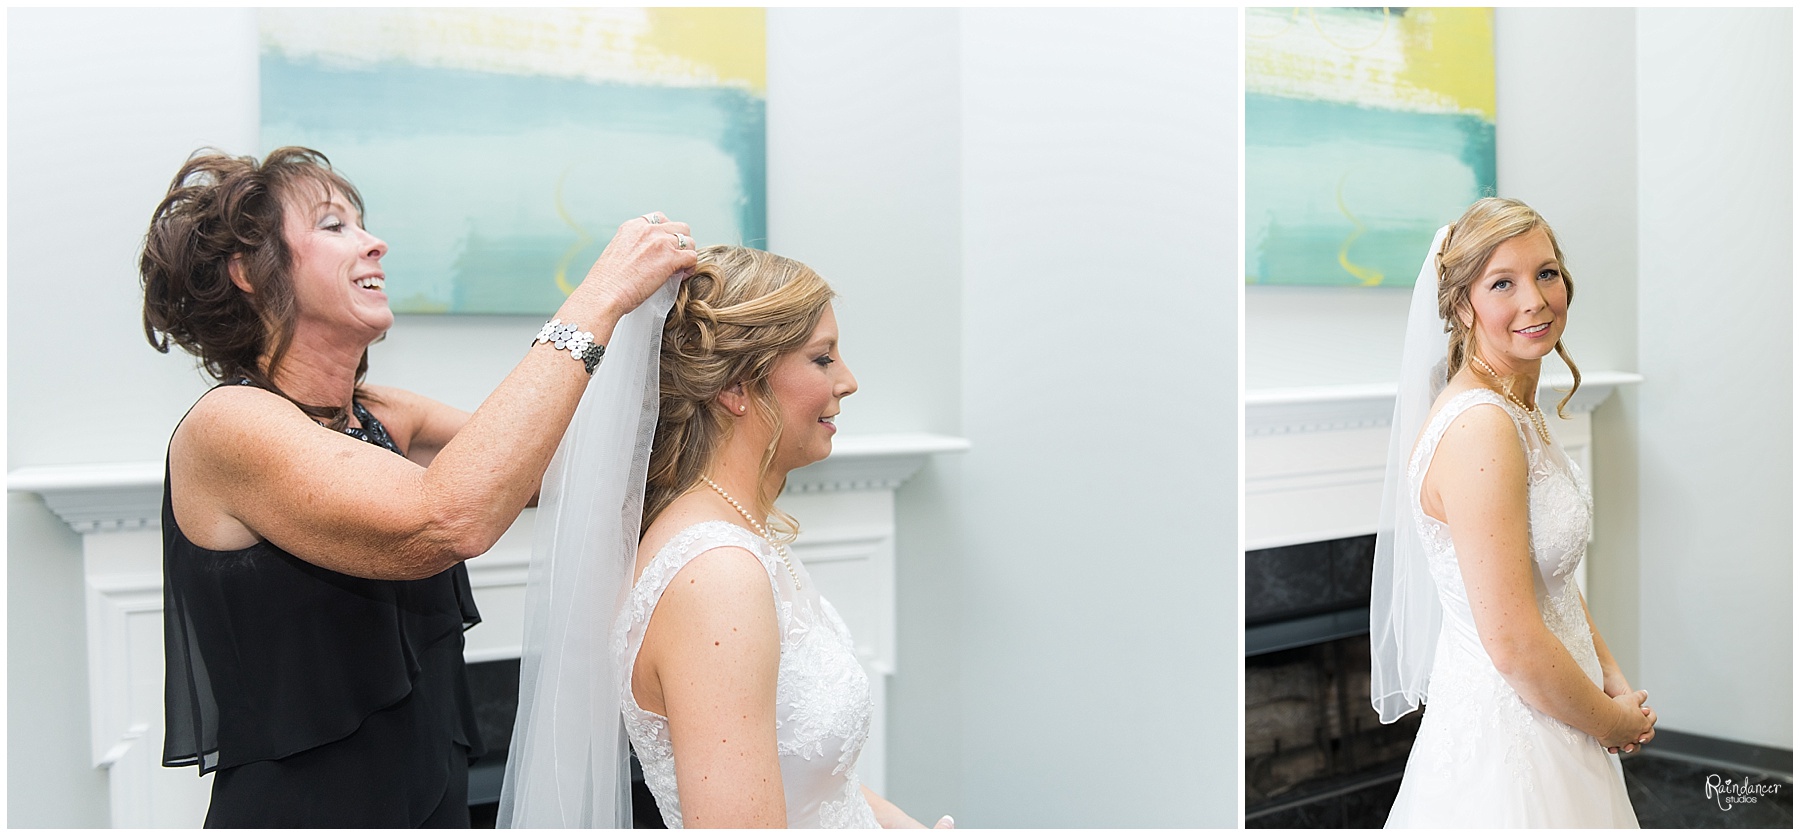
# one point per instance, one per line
(1731, 793)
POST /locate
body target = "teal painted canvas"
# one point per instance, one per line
(1365, 130)
(498, 149)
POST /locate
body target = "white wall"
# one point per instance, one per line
(1715, 305)
(103, 105)
(899, 169)
(1099, 620)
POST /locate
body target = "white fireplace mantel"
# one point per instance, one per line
(1314, 457)
(845, 505)
(94, 498)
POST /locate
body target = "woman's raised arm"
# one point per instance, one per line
(251, 466)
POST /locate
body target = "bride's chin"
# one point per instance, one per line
(815, 450)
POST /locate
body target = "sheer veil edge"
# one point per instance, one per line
(1404, 612)
(568, 765)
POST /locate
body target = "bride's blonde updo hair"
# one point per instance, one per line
(738, 312)
(1488, 223)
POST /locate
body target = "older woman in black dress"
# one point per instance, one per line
(314, 528)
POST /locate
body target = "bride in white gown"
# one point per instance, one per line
(1485, 521)
(737, 682)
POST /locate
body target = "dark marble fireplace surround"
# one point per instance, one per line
(495, 687)
(1295, 583)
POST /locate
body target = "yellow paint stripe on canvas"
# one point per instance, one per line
(679, 47)
(1451, 52)
(730, 42)
(1419, 60)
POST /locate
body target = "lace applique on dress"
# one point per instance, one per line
(823, 706)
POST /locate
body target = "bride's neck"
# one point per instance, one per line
(1517, 376)
(735, 471)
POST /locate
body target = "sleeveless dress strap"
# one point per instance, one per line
(371, 430)
(696, 540)
(1440, 423)
(687, 545)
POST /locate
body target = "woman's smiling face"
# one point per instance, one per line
(1520, 304)
(336, 269)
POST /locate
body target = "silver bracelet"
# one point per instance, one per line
(580, 344)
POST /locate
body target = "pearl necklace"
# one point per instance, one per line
(1536, 415)
(779, 548)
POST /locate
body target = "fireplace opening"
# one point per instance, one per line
(1310, 734)
(1315, 752)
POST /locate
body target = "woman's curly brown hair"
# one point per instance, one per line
(222, 209)
(738, 312)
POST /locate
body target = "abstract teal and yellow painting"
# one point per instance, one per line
(498, 149)
(1365, 130)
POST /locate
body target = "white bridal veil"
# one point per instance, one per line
(1404, 613)
(569, 758)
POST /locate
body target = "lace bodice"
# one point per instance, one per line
(1560, 514)
(822, 700)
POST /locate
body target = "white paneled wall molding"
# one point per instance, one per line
(845, 505)
(1314, 457)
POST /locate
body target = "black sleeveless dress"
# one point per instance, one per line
(318, 698)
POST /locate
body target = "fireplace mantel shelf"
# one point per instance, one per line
(128, 495)
(1376, 391)
(1348, 406)
(1314, 457)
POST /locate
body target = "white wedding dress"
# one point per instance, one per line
(822, 701)
(1483, 758)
